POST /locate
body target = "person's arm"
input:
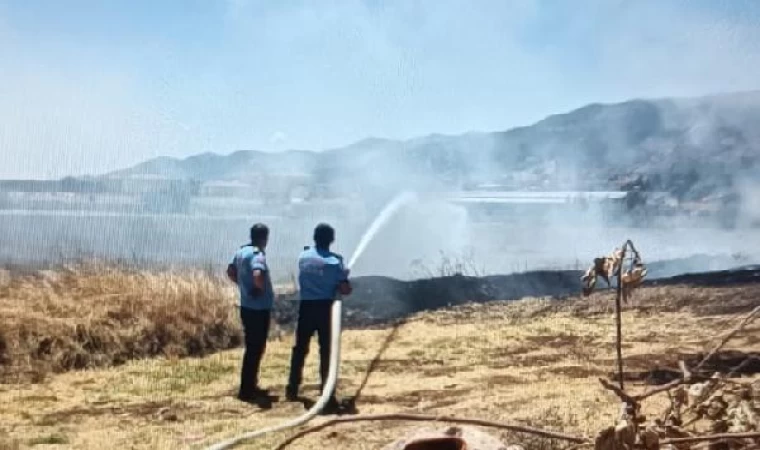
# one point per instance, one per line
(258, 265)
(345, 288)
(258, 281)
(232, 271)
(344, 285)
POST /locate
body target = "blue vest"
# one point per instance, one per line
(247, 259)
(319, 274)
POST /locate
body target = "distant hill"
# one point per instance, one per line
(693, 148)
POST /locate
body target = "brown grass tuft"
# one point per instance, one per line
(91, 316)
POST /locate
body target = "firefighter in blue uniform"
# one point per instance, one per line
(321, 278)
(249, 270)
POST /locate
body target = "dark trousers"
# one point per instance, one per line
(256, 329)
(313, 316)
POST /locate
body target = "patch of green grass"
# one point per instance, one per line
(173, 377)
(53, 439)
(416, 354)
(46, 421)
(216, 428)
(39, 398)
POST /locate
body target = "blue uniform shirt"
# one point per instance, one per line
(247, 259)
(319, 274)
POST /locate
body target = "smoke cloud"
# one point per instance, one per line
(273, 76)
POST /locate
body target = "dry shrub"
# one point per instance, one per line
(88, 316)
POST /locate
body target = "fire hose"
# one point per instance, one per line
(332, 377)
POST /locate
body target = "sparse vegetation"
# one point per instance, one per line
(534, 362)
(448, 266)
(53, 439)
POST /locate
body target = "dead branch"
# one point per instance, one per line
(687, 377)
(735, 370)
(633, 247)
(711, 437)
(688, 374)
(431, 418)
(619, 324)
(610, 267)
(685, 370)
(747, 320)
(619, 392)
(711, 444)
(664, 388)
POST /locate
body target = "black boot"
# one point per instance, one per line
(291, 393)
(332, 406)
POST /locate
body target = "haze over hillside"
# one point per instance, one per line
(688, 166)
(693, 148)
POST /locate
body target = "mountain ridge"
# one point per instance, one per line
(376, 139)
(692, 147)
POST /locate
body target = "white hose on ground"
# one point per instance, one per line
(332, 378)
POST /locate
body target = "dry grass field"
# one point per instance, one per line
(533, 362)
(96, 316)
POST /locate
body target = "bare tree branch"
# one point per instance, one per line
(619, 392)
(711, 437)
(685, 370)
(688, 374)
(746, 321)
(430, 418)
(665, 387)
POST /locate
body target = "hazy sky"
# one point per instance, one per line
(91, 86)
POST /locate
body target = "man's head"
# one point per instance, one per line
(259, 235)
(324, 235)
